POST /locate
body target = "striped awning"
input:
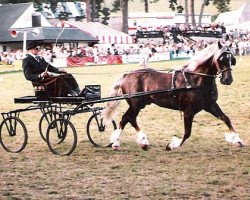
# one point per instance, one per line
(103, 33)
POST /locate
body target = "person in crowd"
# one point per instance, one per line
(109, 52)
(57, 82)
(145, 54)
(95, 52)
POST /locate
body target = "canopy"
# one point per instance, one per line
(103, 33)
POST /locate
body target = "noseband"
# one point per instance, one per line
(229, 56)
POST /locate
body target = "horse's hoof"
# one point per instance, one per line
(168, 148)
(239, 144)
(116, 148)
(144, 147)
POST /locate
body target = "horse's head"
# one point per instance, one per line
(225, 62)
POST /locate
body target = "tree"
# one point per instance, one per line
(88, 11)
(186, 13)
(95, 11)
(123, 6)
(204, 3)
(221, 5)
(124, 9)
(146, 4)
(116, 6)
(175, 6)
(192, 13)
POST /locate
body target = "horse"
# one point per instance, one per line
(190, 90)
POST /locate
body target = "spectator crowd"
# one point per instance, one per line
(240, 46)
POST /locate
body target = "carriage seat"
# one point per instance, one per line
(40, 90)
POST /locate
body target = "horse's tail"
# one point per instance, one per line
(112, 106)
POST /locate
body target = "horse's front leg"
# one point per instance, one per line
(232, 137)
(177, 142)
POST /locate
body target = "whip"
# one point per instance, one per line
(56, 44)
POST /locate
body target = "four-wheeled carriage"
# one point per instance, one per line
(55, 126)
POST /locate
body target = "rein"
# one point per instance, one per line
(202, 74)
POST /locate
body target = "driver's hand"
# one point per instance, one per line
(63, 71)
(44, 74)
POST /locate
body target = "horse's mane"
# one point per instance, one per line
(203, 56)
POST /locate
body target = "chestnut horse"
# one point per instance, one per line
(190, 90)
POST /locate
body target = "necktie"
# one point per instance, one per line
(38, 58)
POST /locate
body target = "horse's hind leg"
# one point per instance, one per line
(115, 136)
(232, 137)
(130, 116)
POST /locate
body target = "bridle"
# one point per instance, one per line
(219, 73)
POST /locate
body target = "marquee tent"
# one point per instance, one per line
(103, 33)
(236, 19)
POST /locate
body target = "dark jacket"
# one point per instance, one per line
(32, 68)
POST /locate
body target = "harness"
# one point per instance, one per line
(188, 85)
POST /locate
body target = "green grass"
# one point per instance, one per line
(205, 167)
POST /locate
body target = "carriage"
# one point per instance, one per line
(55, 126)
(190, 90)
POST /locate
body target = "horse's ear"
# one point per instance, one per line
(219, 45)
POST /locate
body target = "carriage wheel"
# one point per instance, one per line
(97, 132)
(44, 122)
(13, 135)
(61, 137)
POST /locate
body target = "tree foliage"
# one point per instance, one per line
(222, 5)
(117, 4)
(98, 11)
(173, 4)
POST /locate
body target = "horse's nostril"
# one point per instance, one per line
(228, 81)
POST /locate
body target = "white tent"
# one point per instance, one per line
(237, 18)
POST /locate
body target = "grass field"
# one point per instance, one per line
(205, 167)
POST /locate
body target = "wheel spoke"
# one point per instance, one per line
(62, 138)
(44, 122)
(97, 132)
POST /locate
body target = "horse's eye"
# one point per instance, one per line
(221, 58)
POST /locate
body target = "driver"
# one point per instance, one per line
(58, 82)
